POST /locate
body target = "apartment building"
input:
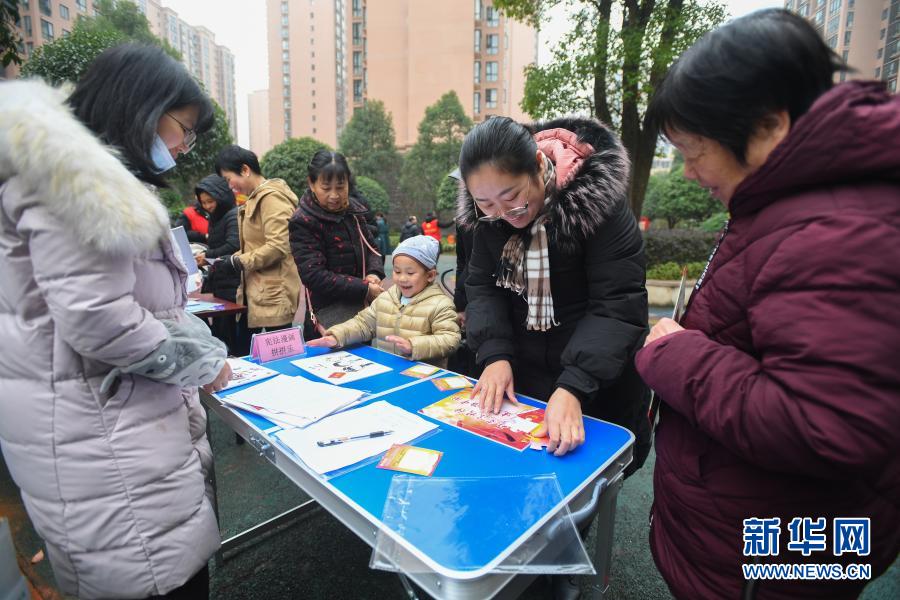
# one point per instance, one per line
(327, 58)
(43, 21)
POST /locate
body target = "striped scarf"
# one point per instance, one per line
(527, 270)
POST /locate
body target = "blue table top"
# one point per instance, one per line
(465, 455)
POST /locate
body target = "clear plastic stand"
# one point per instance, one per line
(470, 527)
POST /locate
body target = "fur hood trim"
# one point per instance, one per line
(594, 188)
(78, 179)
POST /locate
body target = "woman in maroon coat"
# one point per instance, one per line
(781, 387)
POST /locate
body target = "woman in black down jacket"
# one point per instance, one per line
(217, 199)
(565, 329)
(334, 249)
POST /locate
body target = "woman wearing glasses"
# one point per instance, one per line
(557, 304)
(100, 423)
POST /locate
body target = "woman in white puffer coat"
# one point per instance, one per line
(100, 423)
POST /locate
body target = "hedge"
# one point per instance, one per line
(679, 246)
(672, 271)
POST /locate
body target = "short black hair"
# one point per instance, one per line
(725, 85)
(124, 94)
(328, 166)
(507, 145)
(233, 158)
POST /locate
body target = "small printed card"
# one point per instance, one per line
(243, 372)
(273, 345)
(457, 382)
(410, 459)
(420, 371)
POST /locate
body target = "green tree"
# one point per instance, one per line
(374, 193)
(447, 193)
(10, 42)
(677, 200)
(435, 153)
(610, 63)
(289, 161)
(67, 58)
(369, 143)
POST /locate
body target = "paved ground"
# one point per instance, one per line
(318, 558)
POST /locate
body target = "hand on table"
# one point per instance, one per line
(220, 381)
(496, 382)
(563, 423)
(403, 345)
(662, 328)
(328, 341)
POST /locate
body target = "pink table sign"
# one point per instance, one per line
(273, 345)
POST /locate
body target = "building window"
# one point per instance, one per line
(287, 103)
(847, 38)
(880, 53)
(788, 4)
(26, 23)
(832, 26)
(29, 48)
(64, 12)
(285, 67)
(803, 9)
(286, 79)
(478, 10)
(357, 34)
(835, 6)
(851, 3)
(820, 16)
(285, 44)
(46, 8)
(357, 63)
(493, 17)
(357, 90)
(892, 85)
(477, 73)
(490, 98)
(26, 5)
(357, 8)
(284, 20)
(284, 8)
(287, 116)
(492, 70)
(47, 30)
(881, 35)
(845, 55)
(832, 41)
(884, 14)
(477, 40)
(285, 32)
(65, 32)
(286, 92)
(476, 103)
(493, 43)
(285, 55)
(849, 19)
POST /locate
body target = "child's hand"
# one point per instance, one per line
(404, 346)
(328, 341)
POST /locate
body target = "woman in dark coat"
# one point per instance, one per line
(217, 199)
(334, 249)
(554, 198)
(781, 388)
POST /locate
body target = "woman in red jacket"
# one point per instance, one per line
(780, 388)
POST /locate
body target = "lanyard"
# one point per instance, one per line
(702, 279)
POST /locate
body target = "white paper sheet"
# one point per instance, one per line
(378, 416)
(340, 367)
(297, 396)
(244, 372)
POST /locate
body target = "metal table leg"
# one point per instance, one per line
(606, 518)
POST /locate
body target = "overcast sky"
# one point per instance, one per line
(240, 25)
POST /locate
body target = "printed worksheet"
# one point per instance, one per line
(512, 426)
(340, 367)
(244, 372)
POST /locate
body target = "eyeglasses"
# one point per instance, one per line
(190, 136)
(512, 214)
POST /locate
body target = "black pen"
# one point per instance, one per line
(350, 438)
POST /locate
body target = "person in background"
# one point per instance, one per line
(101, 426)
(270, 285)
(333, 249)
(463, 361)
(414, 319)
(780, 386)
(384, 231)
(195, 220)
(221, 280)
(410, 228)
(430, 226)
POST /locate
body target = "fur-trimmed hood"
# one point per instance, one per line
(80, 181)
(593, 181)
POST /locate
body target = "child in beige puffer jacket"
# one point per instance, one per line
(414, 318)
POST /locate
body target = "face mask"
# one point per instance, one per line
(162, 158)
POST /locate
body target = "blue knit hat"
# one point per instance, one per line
(423, 248)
